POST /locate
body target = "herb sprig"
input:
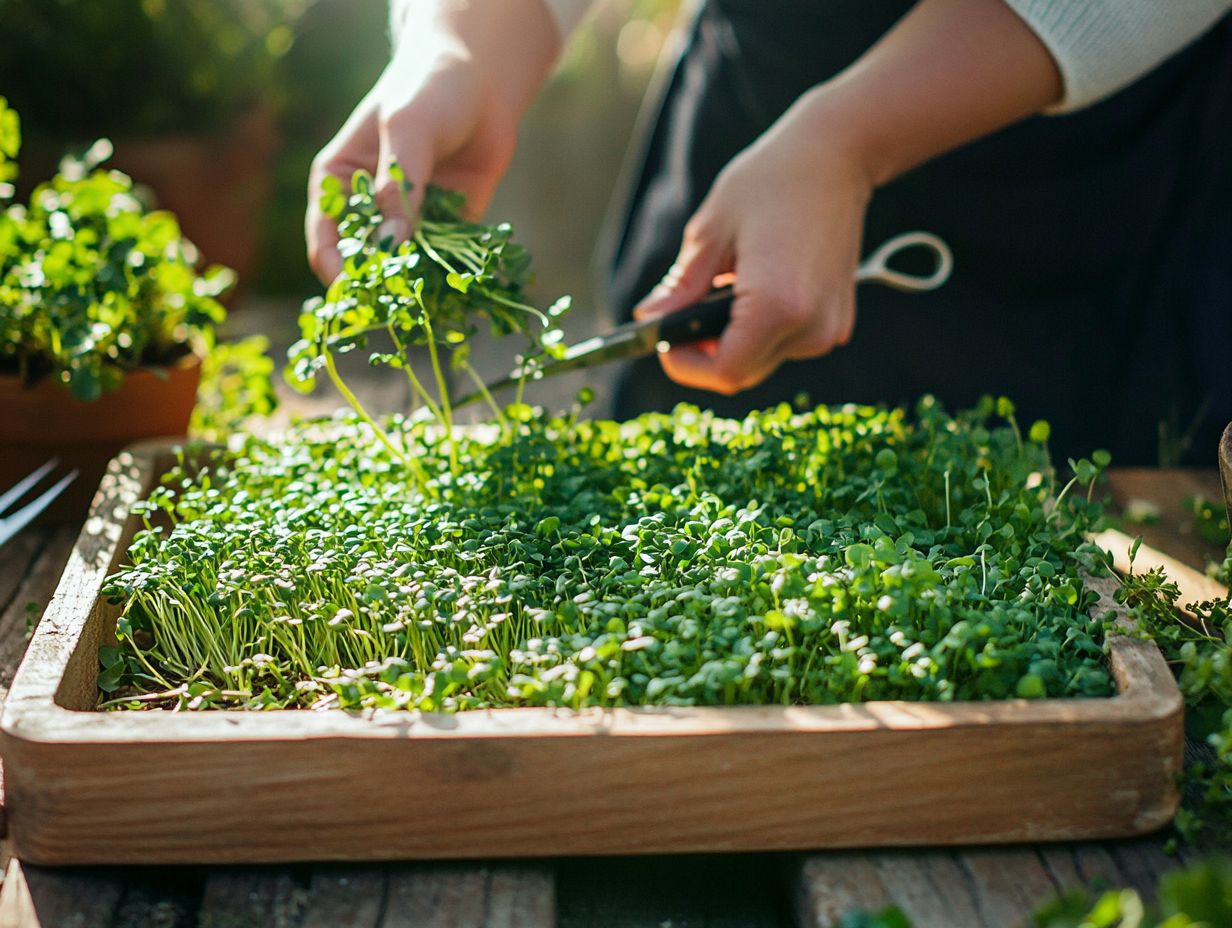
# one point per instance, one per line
(1199, 650)
(427, 292)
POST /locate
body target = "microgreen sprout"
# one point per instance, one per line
(832, 555)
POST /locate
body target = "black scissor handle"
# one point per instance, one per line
(704, 319)
(709, 317)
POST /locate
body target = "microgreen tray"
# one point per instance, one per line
(159, 786)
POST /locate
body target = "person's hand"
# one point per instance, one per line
(787, 214)
(446, 109)
(786, 217)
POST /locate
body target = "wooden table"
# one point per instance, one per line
(966, 888)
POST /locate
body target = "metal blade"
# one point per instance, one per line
(632, 340)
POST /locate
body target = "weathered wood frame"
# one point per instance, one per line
(164, 787)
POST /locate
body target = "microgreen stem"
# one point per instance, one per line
(1056, 506)
(340, 385)
(446, 410)
(422, 241)
(417, 388)
(512, 304)
(948, 518)
(487, 396)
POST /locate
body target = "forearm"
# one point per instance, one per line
(518, 40)
(949, 72)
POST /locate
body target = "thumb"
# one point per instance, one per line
(701, 259)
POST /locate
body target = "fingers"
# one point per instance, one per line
(787, 306)
(752, 346)
(354, 147)
(703, 256)
(435, 117)
(739, 360)
(404, 142)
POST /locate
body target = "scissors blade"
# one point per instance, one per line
(704, 319)
(629, 341)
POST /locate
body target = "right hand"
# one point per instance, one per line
(446, 109)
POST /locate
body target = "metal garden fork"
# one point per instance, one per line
(13, 523)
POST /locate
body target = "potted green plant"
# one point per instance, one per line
(104, 318)
(189, 91)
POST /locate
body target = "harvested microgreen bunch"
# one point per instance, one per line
(428, 292)
(835, 555)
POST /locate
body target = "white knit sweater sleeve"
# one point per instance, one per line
(568, 13)
(1101, 46)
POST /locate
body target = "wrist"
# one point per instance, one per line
(846, 130)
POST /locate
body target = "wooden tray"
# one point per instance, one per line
(163, 787)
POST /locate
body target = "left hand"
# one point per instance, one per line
(786, 216)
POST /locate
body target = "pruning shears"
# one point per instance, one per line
(709, 317)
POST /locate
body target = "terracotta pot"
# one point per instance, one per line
(45, 421)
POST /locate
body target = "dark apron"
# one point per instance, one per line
(1093, 251)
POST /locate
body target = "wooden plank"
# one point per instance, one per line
(1077, 866)
(1007, 884)
(521, 896)
(931, 887)
(1141, 863)
(345, 896)
(1096, 865)
(967, 888)
(1062, 867)
(435, 897)
(469, 897)
(832, 885)
(15, 560)
(271, 897)
(28, 574)
(38, 582)
(36, 897)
